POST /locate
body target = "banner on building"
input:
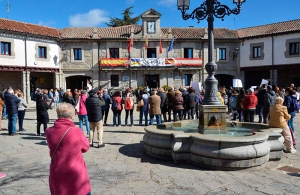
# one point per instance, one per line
(114, 62)
(148, 62)
(188, 61)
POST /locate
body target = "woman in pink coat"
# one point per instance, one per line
(68, 172)
(82, 113)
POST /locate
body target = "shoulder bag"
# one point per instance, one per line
(59, 142)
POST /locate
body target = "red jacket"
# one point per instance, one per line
(119, 102)
(68, 172)
(249, 102)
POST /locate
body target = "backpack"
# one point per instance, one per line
(295, 105)
(128, 104)
(114, 105)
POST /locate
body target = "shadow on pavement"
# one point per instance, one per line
(294, 174)
(127, 131)
(34, 138)
(137, 151)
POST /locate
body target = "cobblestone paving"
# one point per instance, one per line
(122, 167)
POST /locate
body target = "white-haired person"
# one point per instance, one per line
(278, 118)
(68, 172)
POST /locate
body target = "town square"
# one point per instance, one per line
(138, 105)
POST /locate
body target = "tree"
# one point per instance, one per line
(127, 20)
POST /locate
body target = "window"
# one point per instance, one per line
(256, 52)
(114, 80)
(188, 53)
(114, 52)
(77, 53)
(222, 53)
(5, 48)
(42, 52)
(294, 48)
(151, 53)
(187, 79)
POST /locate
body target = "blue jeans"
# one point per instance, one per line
(158, 119)
(87, 124)
(117, 113)
(145, 113)
(21, 115)
(4, 115)
(12, 122)
(291, 121)
(240, 112)
(131, 116)
(259, 111)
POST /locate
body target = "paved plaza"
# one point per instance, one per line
(122, 167)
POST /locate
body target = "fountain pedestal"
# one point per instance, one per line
(212, 119)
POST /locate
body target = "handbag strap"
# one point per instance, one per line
(59, 142)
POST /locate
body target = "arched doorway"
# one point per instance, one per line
(77, 82)
(224, 80)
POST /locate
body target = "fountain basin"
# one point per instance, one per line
(167, 141)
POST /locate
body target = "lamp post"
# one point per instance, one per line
(209, 9)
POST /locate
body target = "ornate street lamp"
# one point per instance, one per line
(209, 9)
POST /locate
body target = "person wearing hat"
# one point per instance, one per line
(249, 106)
(93, 107)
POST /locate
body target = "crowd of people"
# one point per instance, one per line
(275, 107)
(158, 104)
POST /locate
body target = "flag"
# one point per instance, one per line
(130, 44)
(146, 43)
(171, 45)
(160, 47)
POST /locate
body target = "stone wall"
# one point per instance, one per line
(13, 79)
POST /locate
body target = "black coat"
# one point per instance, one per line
(93, 108)
(191, 100)
(163, 103)
(42, 111)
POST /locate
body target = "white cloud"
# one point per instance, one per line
(94, 17)
(168, 3)
(49, 24)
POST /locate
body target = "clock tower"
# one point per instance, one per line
(151, 23)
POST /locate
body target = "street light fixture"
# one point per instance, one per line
(209, 9)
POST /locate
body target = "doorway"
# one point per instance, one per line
(152, 80)
(77, 82)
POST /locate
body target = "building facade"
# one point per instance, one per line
(34, 56)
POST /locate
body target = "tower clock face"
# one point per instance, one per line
(151, 27)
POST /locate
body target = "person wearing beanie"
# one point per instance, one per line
(249, 106)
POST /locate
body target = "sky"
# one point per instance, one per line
(95, 13)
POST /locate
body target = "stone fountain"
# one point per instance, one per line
(210, 143)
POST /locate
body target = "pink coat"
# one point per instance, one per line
(68, 172)
(82, 107)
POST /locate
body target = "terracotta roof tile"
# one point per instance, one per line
(123, 32)
(269, 29)
(103, 33)
(11, 25)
